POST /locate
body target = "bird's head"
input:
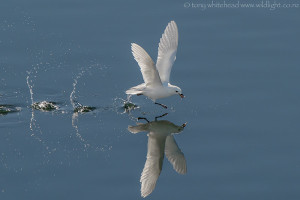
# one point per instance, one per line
(177, 90)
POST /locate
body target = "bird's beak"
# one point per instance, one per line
(181, 95)
(183, 125)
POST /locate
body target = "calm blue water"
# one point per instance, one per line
(238, 68)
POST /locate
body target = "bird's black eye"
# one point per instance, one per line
(176, 91)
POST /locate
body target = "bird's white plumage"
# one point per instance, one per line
(153, 165)
(136, 89)
(160, 142)
(167, 52)
(148, 69)
(140, 128)
(157, 77)
(175, 155)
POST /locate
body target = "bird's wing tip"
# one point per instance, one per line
(173, 23)
(133, 44)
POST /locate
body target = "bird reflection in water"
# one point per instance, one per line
(160, 141)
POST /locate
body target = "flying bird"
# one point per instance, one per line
(157, 77)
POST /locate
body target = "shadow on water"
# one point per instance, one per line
(160, 142)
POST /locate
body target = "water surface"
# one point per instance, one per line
(239, 71)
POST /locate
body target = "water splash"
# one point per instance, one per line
(45, 106)
(124, 105)
(78, 108)
(30, 86)
(84, 109)
(6, 109)
(78, 135)
(33, 125)
(72, 95)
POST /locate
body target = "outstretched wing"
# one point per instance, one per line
(167, 52)
(175, 155)
(148, 69)
(153, 165)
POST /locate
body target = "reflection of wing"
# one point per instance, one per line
(148, 69)
(153, 165)
(175, 156)
(167, 51)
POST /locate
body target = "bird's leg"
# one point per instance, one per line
(164, 106)
(143, 118)
(160, 116)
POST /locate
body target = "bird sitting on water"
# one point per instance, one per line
(157, 78)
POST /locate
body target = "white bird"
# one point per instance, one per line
(157, 78)
(160, 142)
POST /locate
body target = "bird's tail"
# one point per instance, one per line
(139, 128)
(138, 90)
